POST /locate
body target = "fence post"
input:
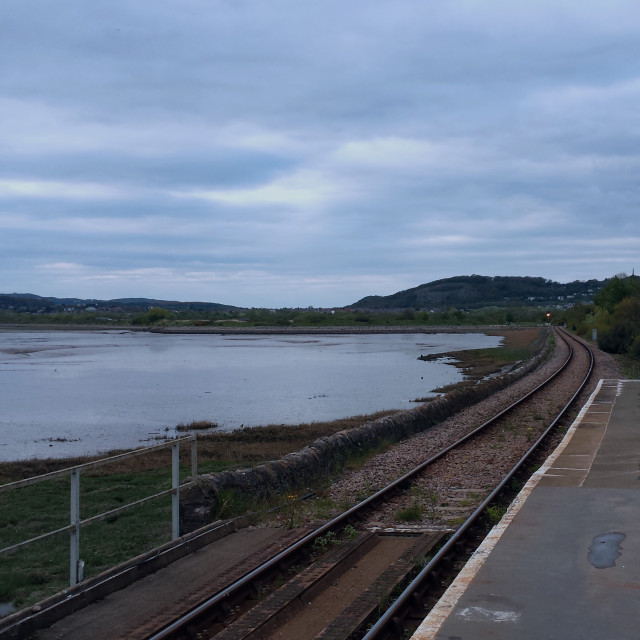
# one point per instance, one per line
(74, 533)
(175, 486)
(194, 460)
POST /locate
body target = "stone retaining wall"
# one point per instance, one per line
(199, 503)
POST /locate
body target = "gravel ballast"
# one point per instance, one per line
(381, 469)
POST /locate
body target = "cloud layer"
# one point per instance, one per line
(294, 154)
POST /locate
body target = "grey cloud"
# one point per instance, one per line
(290, 153)
(221, 169)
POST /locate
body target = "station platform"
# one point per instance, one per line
(564, 561)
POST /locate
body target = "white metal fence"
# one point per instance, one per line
(76, 565)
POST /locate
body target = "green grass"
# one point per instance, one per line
(412, 513)
(498, 357)
(233, 502)
(357, 461)
(422, 504)
(479, 363)
(495, 513)
(629, 367)
(322, 543)
(159, 317)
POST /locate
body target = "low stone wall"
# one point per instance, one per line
(200, 502)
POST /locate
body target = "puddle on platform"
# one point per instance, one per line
(6, 608)
(605, 550)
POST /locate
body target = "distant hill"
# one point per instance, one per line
(461, 292)
(31, 302)
(472, 292)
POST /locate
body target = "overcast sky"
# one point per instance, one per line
(282, 153)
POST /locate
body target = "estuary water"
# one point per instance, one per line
(67, 393)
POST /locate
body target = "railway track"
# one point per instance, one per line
(313, 590)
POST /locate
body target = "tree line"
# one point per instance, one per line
(619, 306)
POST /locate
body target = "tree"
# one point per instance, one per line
(155, 314)
(628, 310)
(618, 339)
(616, 290)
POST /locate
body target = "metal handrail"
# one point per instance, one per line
(90, 465)
(76, 566)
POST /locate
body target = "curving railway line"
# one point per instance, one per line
(283, 597)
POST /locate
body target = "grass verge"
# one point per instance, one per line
(31, 573)
(476, 364)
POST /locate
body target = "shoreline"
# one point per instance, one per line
(272, 330)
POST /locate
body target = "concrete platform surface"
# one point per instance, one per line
(564, 562)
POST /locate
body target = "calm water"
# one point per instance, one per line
(71, 393)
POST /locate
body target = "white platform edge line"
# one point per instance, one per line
(619, 388)
(432, 624)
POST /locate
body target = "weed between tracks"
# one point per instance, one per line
(423, 503)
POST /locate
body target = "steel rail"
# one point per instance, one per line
(387, 624)
(236, 587)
